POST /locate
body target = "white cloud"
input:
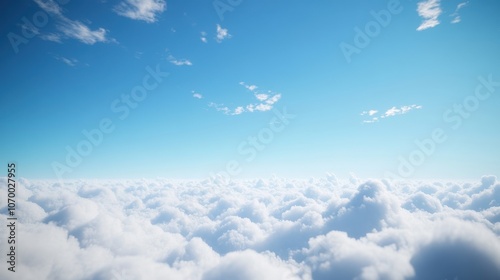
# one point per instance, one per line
(429, 10)
(273, 99)
(369, 113)
(179, 62)
(146, 10)
(263, 107)
(197, 95)
(400, 111)
(266, 102)
(221, 108)
(71, 28)
(321, 228)
(461, 5)
(239, 110)
(250, 265)
(262, 96)
(81, 32)
(249, 87)
(455, 15)
(394, 111)
(51, 37)
(222, 34)
(348, 258)
(203, 37)
(456, 19)
(373, 120)
(50, 6)
(68, 61)
(30, 28)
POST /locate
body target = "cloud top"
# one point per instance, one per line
(257, 229)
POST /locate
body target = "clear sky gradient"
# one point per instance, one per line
(68, 66)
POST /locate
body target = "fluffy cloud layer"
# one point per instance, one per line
(323, 228)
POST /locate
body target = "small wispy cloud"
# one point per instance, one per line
(249, 87)
(221, 108)
(71, 28)
(455, 15)
(265, 102)
(369, 113)
(394, 111)
(81, 32)
(267, 105)
(197, 95)
(429, 10)
(222, 33)
(138, 54)
(461, 5)
(51, 37)
(203, 37)
(178, 62)
(68, 61)
(50, 7)
(239, 110)
(145, 10)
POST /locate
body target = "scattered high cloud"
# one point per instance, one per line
(249, 87)
(222, 34)
(68, 61)
(429, 10)
(81, 32)
(224, 109)
(262, 96)
(50, 6)
(51, 37)
(203, 37)
(266, 102)
(197, 95)
(178, 62)
(394, 111)
(71, 28)
(400, 111)
(369, 113)
(146, 10)
(455, 15)
(322, 228)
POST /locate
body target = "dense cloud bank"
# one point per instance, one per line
(262, 229)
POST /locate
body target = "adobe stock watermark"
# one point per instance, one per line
(255, 144)
(122, 107)
(454, 117)
(223, 6)
(30, 28)
(363, 37)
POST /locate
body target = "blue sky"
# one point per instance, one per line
(232, 71)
